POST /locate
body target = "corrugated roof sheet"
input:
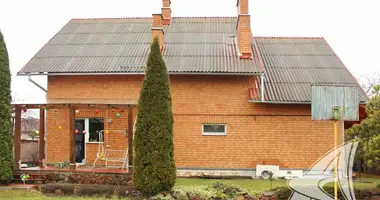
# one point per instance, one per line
(192, 45)
(292, 65)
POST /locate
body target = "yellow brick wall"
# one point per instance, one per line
(256, 133)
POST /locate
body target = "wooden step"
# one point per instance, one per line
(13, 186)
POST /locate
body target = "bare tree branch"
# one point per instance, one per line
(367, 82)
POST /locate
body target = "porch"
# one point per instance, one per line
(79, 169)
(71, 107)
(81, 175)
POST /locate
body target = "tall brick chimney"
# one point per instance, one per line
(157, 29)
(243, 30)
(166, 12)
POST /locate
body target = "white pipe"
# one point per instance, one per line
(35, 83)
(262, 86)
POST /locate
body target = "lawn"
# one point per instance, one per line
(251, 185)
(367, 182)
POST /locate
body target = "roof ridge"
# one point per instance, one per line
(217, 17)
(285, 37)
(112, 18)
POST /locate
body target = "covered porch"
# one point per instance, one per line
(72, 107)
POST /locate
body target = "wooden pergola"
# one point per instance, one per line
(71, 105)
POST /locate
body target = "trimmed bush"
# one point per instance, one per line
(6, 163)
(154, 166)
(227, 190)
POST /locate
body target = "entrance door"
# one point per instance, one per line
(79, 140)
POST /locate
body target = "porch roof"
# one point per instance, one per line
(75, 102)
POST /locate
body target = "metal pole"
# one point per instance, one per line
(336, 160)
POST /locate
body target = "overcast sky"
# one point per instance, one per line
(351, 27)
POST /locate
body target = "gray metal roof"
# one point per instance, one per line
(292, 65)
(121, 45)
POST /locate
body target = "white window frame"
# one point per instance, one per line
(87, 129)
(214, 133)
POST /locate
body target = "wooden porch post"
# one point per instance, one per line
(42, 138)
(72, 138)
(17, 139)
(130, 135)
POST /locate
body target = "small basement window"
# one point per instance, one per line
(214, 129)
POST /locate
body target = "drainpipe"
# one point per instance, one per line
(262, 86)
(45, 135)
(35, 83)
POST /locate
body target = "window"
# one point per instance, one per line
(92, 126)
(95, 125)
(214, 129)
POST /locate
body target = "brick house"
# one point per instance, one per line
(238, 100)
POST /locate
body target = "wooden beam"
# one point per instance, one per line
(72, 138)
(130, 135)
(78, 106)
(17, 139)
(42, 138)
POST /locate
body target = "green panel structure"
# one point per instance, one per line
(330, 102)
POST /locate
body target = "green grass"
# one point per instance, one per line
(251, 185)
(366, 182)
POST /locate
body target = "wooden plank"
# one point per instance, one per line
(130, 135)
(326, 97)
(17, 139)
(42, 138)
(78, 106)
(72, 138)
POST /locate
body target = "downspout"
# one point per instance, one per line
(45, 135)
(262, 87)
(35, 83)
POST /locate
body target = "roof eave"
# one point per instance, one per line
(137, 73)
(280, 102)
(291, 102)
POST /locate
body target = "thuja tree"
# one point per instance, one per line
(6, 164)
(368, 133)
(154, 165)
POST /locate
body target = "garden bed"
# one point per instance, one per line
(60, 189)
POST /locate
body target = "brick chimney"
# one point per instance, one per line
(157, 29)
(243, 30)
(166, 12)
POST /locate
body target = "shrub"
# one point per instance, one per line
(283, 193)
(154, 167)
(6, 163)
(227, 190)
(198, 193)
(161, 197)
